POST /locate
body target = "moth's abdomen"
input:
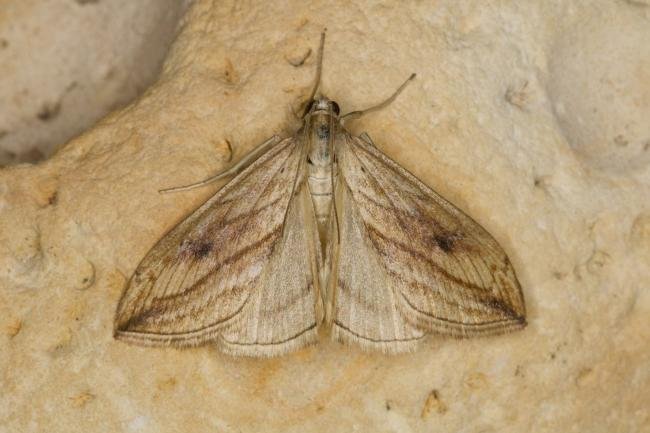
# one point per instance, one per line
(321, 164)
(320, 188)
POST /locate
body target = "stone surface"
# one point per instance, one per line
(514, 117)
(67, 63)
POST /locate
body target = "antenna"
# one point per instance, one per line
(319, 70)
(391, 98)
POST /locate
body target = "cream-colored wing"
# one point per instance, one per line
(363, 302)
(238, 272)
(409, 262)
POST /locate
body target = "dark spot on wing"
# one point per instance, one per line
(445, 242)
(201, 248)
(196, 248)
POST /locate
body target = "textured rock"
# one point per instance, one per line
(514, 117)
(67, 63)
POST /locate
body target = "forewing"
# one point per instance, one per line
(281, 313)
(364, 303)
(441, 270)
(212, 278)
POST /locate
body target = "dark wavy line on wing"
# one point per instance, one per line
(274, 343)
(512, 318)
(269, 238)
(141, 319)
(452, 211)
(372, 231)
(374, 340)
(487, 299)
(227, 261)
(243, 251)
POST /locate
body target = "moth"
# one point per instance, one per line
(320, 231)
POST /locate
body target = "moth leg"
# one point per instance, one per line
(365, 137)
(239, 166)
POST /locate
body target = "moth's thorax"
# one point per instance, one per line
(319, 136)
(322, 124)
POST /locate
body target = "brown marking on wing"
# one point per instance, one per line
(205, 279)
(193, 249)
(381, 243)
(253, 249)
(374, 340)
(155, 313)
(292, 337)
(448, 273)
(485, 298)
(444, 241)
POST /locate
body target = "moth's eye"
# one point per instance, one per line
(335, 108)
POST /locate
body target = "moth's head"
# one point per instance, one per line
(322, 104)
